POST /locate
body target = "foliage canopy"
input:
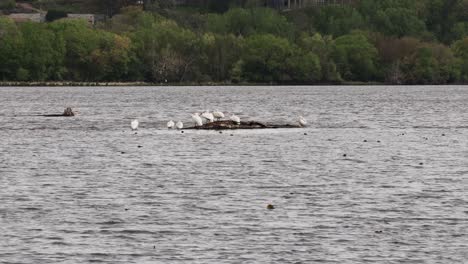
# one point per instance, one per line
(393, 41)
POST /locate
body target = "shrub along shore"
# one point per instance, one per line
(388, 42)
(135, 84)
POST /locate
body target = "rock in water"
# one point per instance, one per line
(68, 112)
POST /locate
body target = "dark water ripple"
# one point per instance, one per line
(80, 190)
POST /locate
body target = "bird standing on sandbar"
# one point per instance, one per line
(218, 115)
(235, 119)
(198, 121)
(208, 116)
(170, 124)
(302, 121)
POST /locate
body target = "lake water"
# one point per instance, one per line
(381, 176)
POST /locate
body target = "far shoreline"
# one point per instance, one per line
(149, 84)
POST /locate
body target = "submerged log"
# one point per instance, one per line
(228, 124)
(67, 112)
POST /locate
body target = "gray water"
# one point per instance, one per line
(81, 190)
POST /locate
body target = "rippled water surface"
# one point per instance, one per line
(379, 176)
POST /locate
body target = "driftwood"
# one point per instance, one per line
(67, 112)
(228, 124)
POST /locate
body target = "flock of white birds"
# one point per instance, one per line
(209, 117)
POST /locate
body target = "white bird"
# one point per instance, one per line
(208, 116)
(235, 119)
(302, 121)
(198, 121)
(135, 124)
(179, 125)
(218, 115)
(170, 124)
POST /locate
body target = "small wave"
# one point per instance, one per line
(98, 254)
(356, 160)
(440, 127)
(111, 222)
(60, 243)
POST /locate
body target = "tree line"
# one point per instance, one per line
(391, 41)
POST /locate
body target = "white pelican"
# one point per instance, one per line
(198, 121)
(170, 124)
(179, 125)
(218, 115)
(208, 116)
(235, 119)
(302, 121)
(135, 124)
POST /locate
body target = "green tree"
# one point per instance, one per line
(246, 22)
(392, 52)
(221, 52)
(43, 52)
(323, 48)
(264, 57)
(446, 17)
(336, 20)
(398, 22)
(460, 49)
(396, 41)
(166, 52)
(267, 58)
(11, 41)
(431, 64)
(303, 68)
(355, 57)
(93, 55)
